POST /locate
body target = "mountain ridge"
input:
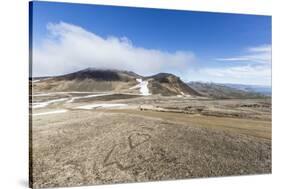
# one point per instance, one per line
(92, 79)
(222, 91)
(123, 81)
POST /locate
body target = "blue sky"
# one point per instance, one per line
(212, 47)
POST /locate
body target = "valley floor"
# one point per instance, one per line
(114, 138)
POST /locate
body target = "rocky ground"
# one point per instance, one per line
(103, 139)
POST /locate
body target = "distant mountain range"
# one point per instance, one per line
(216, 90)
(265, 90)
(165, 84)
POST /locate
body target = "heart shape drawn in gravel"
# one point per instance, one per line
(137, 139)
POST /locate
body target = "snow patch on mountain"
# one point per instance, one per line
(50, 112)
(44, 104)
(88, 96)
(142, 86)
(91, 106)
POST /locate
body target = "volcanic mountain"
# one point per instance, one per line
(168, 85)
(118, 81)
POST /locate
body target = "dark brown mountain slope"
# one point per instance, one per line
(169, 84)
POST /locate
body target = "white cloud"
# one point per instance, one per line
(253, 67)
(248, 74)
(68, 48)
(260, 55)
(257, 69)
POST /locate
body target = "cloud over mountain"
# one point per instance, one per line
(68, 48)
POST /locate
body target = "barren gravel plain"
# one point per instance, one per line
(85, 138)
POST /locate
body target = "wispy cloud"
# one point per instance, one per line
(257, 75)
(260, 75)
(259, 54)
(253, 67)
(69, 48)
